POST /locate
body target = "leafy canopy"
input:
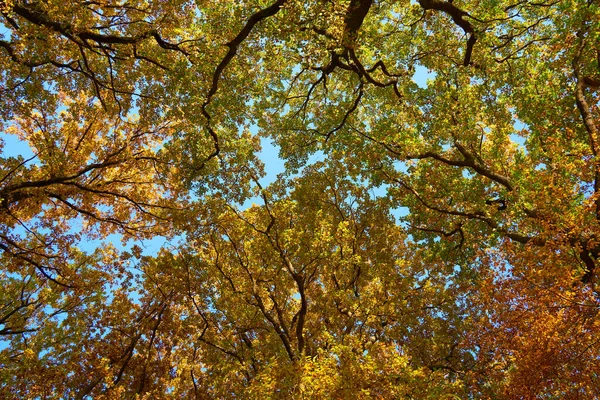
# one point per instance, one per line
(445, 245)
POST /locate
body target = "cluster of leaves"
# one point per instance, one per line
(446, 246)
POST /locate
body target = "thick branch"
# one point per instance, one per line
(469, 161)
(41, 18)
(357, 11)
(457, 16)
(235, 43)
(587, 117)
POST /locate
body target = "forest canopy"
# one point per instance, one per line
(426, 240)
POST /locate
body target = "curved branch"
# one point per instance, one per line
(233, 46)
(457, 16)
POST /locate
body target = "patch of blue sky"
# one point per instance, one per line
(379, 191)
(468, 174)
(14, 146)
(401, 166)
(4, 31)
(274, 165)
(518, 138)
(399, 213)
(423, 76)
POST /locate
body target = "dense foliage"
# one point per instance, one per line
(424, 241)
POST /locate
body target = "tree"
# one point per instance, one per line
(145, 119)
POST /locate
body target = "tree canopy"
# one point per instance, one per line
(435, 240)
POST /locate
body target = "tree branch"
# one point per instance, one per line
(457, 16)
